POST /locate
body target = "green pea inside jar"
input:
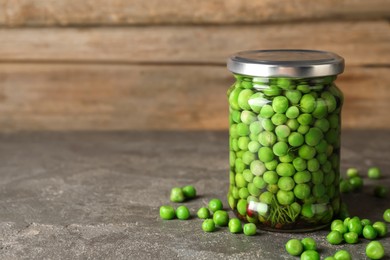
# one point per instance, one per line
(284, 121)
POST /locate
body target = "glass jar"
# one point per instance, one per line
(284, 138)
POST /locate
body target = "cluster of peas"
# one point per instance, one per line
(354, 182)
(219, 217)
(348, 230)
(284, 151)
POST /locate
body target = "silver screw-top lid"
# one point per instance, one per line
(286, 63)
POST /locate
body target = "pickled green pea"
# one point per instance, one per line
(215, 204)
(381, 228)
(295, 139)
(284, 83)
(280, 148)
(307, 103)
(267, 124)
(267, 111)
(241, 206)
(253, 190)
(294, 96)
(208, 225)
(292, 124)
(334, 238)
(266, 197)
(253, 146)
(330, 101)
(302, 191)
(299, 164)
(189, 192)
(279, 119)
(257, 168)
(354, 225)
(243, 142)
(313, 136)
(309, 244)
(292, 112)
(289, 157)
(322, 124)
(246, 84)
(294, 247)
(259, 182)
(221, 218)
(303, 88)
(272, 91)
(386, 215)
(235, 226)
(286, 183)
(313, 165)
(273, 188)
(321, 109)
(307, 210)
(177, 195)
(265, 154)
(285, 169)
(247, 175)
(351, 237)
(242, 129)
(271, 177)
(310, 255)
(271, 166)
(243, 193)
(302, 177)
(167, 212)
(267, 138)
(248, 157)
(305, 119)
(233, 98)
(282, 131)
(317, 177)
(236, 116)
(369, 232)
(285, 197)
(306, 152)
(280, 104)
(248, 117)
(365, 222)
(375, 250)
(356, 182)
(374, 173)
(255, 127)
(341, 228)
(182, 213)
(250, 229)
(243, 97)
(240, 165)
(336, 223)
(352, 172)
(345, 187)
(257, 101)
(303, 129)
(342, 255)
(318, 190)
(203, 213)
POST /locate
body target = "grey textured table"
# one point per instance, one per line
(96, 195)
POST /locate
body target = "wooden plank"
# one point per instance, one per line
(125, 12)
(108, 97)
(359, 42)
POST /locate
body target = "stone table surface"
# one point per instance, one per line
(91, 195)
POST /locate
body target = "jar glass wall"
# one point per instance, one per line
(285, 151)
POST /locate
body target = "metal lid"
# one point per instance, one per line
(286, 63)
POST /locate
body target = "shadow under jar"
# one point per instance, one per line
(284, 138)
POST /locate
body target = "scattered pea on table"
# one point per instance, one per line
(182, 213)
(375, 250)
(167, 212)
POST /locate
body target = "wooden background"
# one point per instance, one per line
(160, 64)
